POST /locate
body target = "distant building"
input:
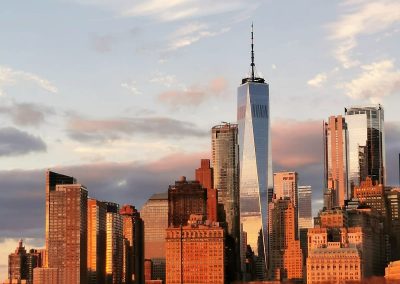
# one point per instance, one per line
(133, 232)
(148, 267)
(286, 185)
(18, 267)
(195, 252)
(393, 199)
(67, 236)
(205, 176)
(114, 244)
(185, 198)
(285, 254)
(46, 276)
(305, 216)
(335, 154)
(392, 271)
(96, 227)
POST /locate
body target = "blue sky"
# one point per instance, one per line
(122, 94)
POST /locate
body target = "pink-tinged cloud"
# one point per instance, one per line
(296, 143)
(194, 95)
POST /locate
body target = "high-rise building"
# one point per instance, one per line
(96, 227)
(204, 175)
(17, 264)
(305, 220)
(33, 259)
(195, 252)
(286, 185)
(255, 160)
(133, 232)
(52, 179)
(367, 156)
(393, 198)
(46, 275)
(373, 195)
(114, 244)
(335, 154)
(285, 254)
(67, 235)
(185, 198)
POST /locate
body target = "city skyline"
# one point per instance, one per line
(48, 118)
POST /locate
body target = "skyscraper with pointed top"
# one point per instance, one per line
(255, 161)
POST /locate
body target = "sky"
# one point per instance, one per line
(122, 94)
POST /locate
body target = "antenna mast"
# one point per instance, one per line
(252, 53)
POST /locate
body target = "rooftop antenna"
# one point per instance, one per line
(252, 52)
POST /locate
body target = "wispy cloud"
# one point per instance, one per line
(164, 79)
(26, 114)
(318, 80)
(102, 43)
(376, 81)
(97, 131)
(194, 95)
(131, 87)
(10, 77)
(361, 18)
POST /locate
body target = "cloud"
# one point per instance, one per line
(132, 87)
(102, 43)
(318, 80)
(166, 80)
(194, 95)
(92, 130)
(10, 77)
(362, 18)
(14, 142)
(376, 81)
(192, 33)
(26, 114)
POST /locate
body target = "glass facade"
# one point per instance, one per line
(305, 207)
(254, 129)
(366, 143)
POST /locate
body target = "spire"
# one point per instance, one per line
(252, 52)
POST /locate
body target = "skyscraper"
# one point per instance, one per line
(114, 244)
(365, 125)
(52, 179)
(254, 147)
(96, 241)
(205, 175)
(285, 185)
(335, 154)
(17, 264)
(305, 220)
(67, 242)
(185, 198)
(133, 232)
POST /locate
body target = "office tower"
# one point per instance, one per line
(67, 242)
(225, 162)
(33, 260)
(366, 232)
(195, 252)
(305, 216)
(185, 198)
(46, 275)
(285, 255)
(365, 126)
(255, 159)
(372, 195)
(114, 244)
(204, 175)
(96, 227)
(285, 185)
(133, 232)
(393, 198)
(335, 156)
(17, 264)
(392, 271)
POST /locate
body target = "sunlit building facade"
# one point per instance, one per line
(255, 161)
(205, 175)
(96, 244)
(367, 156)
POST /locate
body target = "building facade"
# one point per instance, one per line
(205, 176)
(255, 161)
(336, 160)
(67, 242)
(195, 253)
(96, 241)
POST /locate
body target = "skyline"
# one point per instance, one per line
(47, 96)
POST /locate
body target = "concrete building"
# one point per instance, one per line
(185, 198)
(335, 154)
(114, 244)
(285, 254)
(96, 244)
(133, 232)
(195, 252)
(67, 235)
(205, 176)
(286, 185)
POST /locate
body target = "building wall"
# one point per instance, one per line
(114, 244)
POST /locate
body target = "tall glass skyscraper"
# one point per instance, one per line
(254, 139)
(365, 126)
